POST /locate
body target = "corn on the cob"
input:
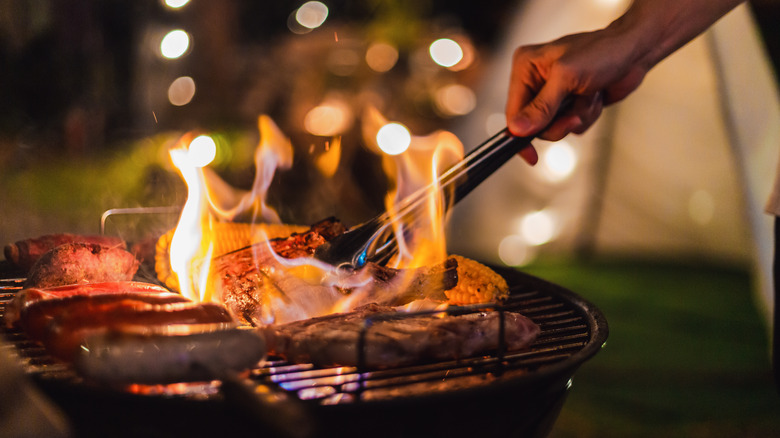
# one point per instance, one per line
(477, 283)
(228, 236)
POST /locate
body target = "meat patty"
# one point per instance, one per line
(393, 339)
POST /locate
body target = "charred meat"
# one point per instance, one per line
(392, 339)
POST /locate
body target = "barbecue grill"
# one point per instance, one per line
(500, 394)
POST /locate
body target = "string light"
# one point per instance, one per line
(175, 4)
(311, 14)
(202, 151)
(175, 44)
(181, 91)
(393, 138)
(445, 52)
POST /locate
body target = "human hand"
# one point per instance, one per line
(593, 69)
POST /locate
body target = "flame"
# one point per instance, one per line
(189, 245)
(210, 199)
(315, 288)
(421, 236)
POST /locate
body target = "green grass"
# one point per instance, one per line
(687, 354)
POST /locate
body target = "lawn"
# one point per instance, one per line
(686, 356)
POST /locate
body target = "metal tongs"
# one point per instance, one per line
(375, 241)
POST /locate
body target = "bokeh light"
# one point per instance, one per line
(393, 138)
(560, 160)
(175, 44)
(445, 52)
(513, 250)
(181, 91)
(538, 227)
(328, 119)
(311, 14)
(455, 100)
(381, 57)
(175, 4)
(494, 123)
(202, 151)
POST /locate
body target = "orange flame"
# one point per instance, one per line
(421, 237)
(210, 199)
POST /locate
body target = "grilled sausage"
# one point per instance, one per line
(24, 253)
(35, 317)
(68, 330)
(81, 263)
(27, 297)
(121, 358)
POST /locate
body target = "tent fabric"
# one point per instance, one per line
(679, 170)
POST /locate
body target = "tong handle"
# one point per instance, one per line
(480, 163)
(374, 240)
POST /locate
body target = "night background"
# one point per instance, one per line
(87, 116)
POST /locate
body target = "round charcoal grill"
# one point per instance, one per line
(500, 394)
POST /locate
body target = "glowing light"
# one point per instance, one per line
(181, 91)
(446, 52)
(537, 228)
(175, 44)
(381, 57)
(455, 100)
(329, 119)
(312, 14)
(560, 159)
(701, 207)
(175, 4)
(494, 123)
(393, 138)
(513, 250)
(202, 151)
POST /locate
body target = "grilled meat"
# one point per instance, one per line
(122, 358)
(394, 339)
(35, 318)
(81, 263)
(260, 287)
(24, 253)
(27, 297)
(69, 329)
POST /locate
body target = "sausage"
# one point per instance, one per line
(69, 329)
(27, 297)
(24, 253)
(35, 317)
(82, 263)
(122, 358)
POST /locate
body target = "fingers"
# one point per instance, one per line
(529, 154)
(584, 111)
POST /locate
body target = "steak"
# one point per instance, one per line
(394, 339)
(261, 283)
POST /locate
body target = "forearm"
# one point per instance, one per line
(657, 28)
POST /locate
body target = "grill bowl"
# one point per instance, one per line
(511, 394)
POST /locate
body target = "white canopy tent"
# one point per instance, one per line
(679, 170)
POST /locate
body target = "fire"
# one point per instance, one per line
(211, 202)
(415, 170)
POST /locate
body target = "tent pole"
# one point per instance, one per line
(585, 240)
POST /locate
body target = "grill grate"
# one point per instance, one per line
(567, 330)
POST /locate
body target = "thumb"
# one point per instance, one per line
(537, 114)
